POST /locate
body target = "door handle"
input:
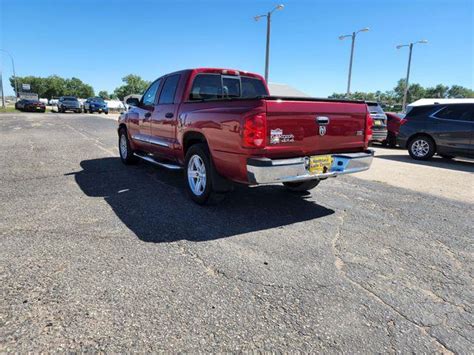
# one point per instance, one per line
(322, 120)
(148, 115)
(169, 115)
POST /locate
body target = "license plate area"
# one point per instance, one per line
(320, 164)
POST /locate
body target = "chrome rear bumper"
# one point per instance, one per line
(271, 171)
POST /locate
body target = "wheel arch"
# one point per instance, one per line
(193, 137)
(121, 126)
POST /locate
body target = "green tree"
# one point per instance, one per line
(104, 94)
(415, 91)
(54, 86)
(439, 91)
(460, 92)
(134, 84)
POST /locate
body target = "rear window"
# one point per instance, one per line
(374, 107)
(216, 86)
(420, 111)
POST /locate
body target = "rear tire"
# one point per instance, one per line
(85, 111)
(421, 148)
(198, 176)
(302, 185)
(126, 152)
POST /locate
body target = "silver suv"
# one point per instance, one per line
(69, 103)
(379, 128)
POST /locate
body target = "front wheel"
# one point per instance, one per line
(421, 148)
(126, 153)
(199, 184)
(301, 186)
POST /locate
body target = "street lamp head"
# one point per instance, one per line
(280, 7)
(423, 41)
(401, 46)
(256, 18)
(365, 29)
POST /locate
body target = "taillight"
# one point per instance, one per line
(254, 131)
(369, 122)
(403, 121)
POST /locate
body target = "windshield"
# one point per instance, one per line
(98, 99)
(69, 98)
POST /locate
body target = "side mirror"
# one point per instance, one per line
(132, 101)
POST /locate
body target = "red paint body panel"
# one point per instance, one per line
(393, 123)
(220, 122)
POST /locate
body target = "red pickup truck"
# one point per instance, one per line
(222, 126)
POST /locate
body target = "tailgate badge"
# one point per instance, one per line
(277, 136)
(322, 130)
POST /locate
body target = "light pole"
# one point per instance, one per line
(410, 45)
(353, 35)
(1, 89)
(267, 54)
(14, 74)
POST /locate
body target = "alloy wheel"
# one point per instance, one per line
(197, 175)
(420, 148)
(123, 146)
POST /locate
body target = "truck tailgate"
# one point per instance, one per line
(299, 127)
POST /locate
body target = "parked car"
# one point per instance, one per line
(30, 105)
(394, 121)
(446, 130)
(221, 126)
(95, 104)
(69, 103)
(379, 130)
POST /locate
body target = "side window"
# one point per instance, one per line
(206, 87)
(169, 89)
(454, 112)
(150, 94)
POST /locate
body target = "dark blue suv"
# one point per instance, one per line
(95, 104)
(444, 129)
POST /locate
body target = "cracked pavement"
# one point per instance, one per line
(97, 256)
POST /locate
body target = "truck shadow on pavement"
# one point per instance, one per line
(152, 202)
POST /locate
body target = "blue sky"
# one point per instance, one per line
(102, 41)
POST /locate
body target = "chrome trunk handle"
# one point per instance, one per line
(322, 120)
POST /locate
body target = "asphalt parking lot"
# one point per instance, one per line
(98, 256)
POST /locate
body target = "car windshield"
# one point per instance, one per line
(68, 98)
(97, 99)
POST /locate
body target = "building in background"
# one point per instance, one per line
(285, 90)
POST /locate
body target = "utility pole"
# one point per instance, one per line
(267, 52)
(353, 36)
(410, 46)
(405, 94)
(267, 49)
(1, 88)
(13, 67)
